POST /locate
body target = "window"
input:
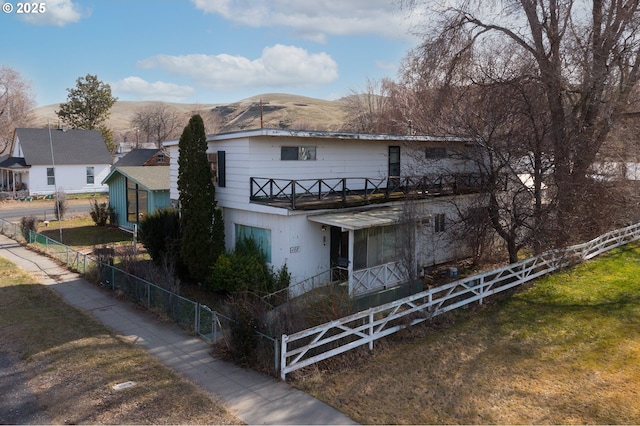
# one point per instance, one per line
(261, 236)
(51, 178)
(160, 158)
(136, 202)
(438, 222)
(374, 246)
(90, 175)
(394, 161)
(302, 153)
(436, 153)
(217, 165)
(213, 166)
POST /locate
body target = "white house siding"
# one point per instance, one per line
(433, 247)
(173, 171)
(71, 179)
(295, 241)
(259, 156)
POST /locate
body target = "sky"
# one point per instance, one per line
(205, 51)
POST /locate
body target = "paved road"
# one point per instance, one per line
(15, 210)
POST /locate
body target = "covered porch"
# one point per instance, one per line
(14, 174)
(364, 248)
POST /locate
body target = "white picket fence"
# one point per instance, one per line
(309, 346)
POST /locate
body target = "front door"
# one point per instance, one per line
(339, 255)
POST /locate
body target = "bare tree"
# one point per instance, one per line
(16, 103)
(158, 122)
(377, 110)
(584, 55)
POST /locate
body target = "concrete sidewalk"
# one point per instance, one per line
(253, 397)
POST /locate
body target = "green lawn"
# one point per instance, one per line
(83, 232)
(565, 351)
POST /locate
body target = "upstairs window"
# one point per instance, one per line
(218, 167)
(213, 166)
(301, 153)
(436, 153)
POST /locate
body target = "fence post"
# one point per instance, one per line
(84, 264)
(197, 319)
(276, 351)
(283, 357)
(214, 327)
(113, 278)
(370, 330)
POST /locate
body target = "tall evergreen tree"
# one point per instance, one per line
(88, 104)
(201, 240)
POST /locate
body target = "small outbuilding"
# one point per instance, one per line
(138, 190)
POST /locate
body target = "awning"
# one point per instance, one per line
(353, 220)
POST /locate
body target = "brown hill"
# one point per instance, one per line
(278, 111)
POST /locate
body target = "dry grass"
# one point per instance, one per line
(82, 233)
(73, 362)
(298, 112)
(566, 351)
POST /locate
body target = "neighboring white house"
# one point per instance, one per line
(332, 205)
(43, 160)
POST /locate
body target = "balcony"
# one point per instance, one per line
(312, 194)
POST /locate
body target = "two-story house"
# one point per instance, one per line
(340, 206)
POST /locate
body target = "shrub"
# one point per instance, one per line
(159, 233)
(101, 212)
(246, 269)
(60, 205)
(28, 223)
(248, 314)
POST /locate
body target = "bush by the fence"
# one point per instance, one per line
(101, 212)
(245, 269)
(61, 205)
(159, 233)
(28, 223)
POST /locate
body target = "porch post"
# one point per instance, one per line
(350, 263)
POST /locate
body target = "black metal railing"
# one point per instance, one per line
(342, 192)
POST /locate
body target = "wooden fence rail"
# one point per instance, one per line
(364, 328)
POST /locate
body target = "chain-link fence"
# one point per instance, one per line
(199, 319)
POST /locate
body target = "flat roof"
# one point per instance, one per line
(287, 133)
(354, 220)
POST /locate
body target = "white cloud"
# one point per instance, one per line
(57, 12)
(279, 66)
(143, 90)
(315, 19)
(387, 66)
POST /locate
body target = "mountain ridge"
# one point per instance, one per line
(274, 110)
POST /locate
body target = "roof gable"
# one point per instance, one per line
(151, 178)
(136, 157)
(73, 146)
